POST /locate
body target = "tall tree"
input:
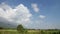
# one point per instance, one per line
(21, 29)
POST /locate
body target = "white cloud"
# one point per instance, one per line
(35, 7)
(42, 16)
(19, 14)
(6, 11)
(23, 13)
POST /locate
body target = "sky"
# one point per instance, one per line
(34, 14)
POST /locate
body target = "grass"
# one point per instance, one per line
(8, 32)
(29, 32)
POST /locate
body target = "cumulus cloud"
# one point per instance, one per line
(6, 11)
(19, 14)
(35, 7)
(42, 16)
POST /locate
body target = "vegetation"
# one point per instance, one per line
(21, 30)
(1, 28)
(30, 32)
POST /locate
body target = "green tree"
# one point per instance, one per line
(1, 27)
(54, 33)
(42, 32)
(21, 29)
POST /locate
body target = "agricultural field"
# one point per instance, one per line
(30, 32)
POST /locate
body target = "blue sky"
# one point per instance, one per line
(46, 15)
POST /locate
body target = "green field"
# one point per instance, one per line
(30, 32)
(8, 32)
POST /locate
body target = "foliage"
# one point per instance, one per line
(1, 27)
(21, 29)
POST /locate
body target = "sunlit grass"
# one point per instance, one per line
(29, 32)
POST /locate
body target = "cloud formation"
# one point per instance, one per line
(35, 7)
(19, 14)
(42, 16)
